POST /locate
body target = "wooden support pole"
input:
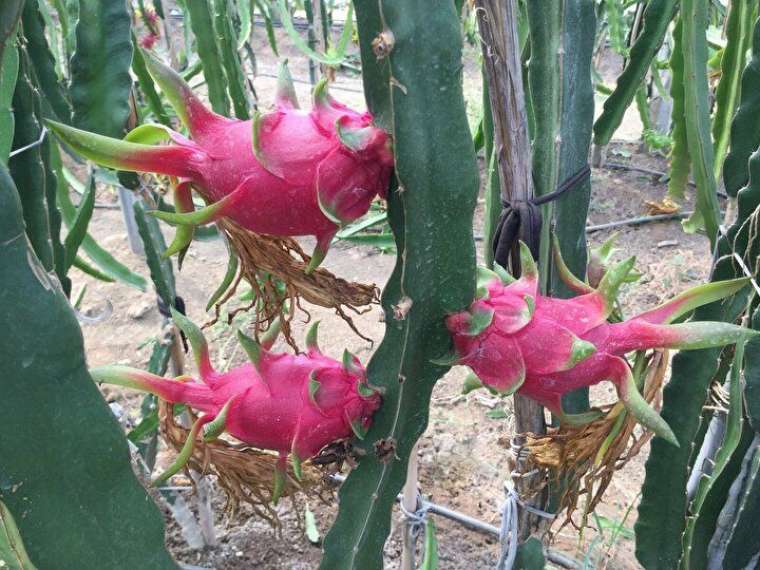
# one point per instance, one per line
(497, 20)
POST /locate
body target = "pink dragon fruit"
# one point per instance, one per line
(292, 404)
(516, 340)
(284, 173)
(148, 40)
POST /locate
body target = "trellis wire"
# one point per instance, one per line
(426, 508)
(508, 535)
(740, 261)
(31, 145)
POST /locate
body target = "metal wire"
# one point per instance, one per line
(508, 536)
(740, 261)
(36, 143)
(418, 518)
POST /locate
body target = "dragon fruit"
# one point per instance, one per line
(292, 404)
(284, 173)
(148, 41)
(516, 340)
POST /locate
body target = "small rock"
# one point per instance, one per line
(117, 410)
(447, 446)
(114, 240)
(139, 309)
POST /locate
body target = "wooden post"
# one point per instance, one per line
(409, 502)
(497, 20)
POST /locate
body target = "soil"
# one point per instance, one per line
(462, 464)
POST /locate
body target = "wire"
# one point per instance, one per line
(36, 143)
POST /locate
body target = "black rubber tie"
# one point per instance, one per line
(521, 220)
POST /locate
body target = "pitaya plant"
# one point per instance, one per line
(283, 173)
(599, 262)
(292, 404)
(515, 339)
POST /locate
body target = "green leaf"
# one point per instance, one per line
(695, 552)
(8, 76)
(147, 86)
(745, 129)
(266, 13)
(382, 241)
(245, 12)
(435, 266)
(345, 34)
(68, 11)
(697, 113)
(12, 552)
(312, 532)
(493, 184)
(743, 548)
(161, 272)
(100, 79)
(145, 434)
(680, 160)
(78, 229)
(430, 559)
(229, 275)
(55, 48)
(715, 501)
(657, 18)
(364, 223)
(615, 26)
(28, 169)
(104, 261)
(752, 376)
(333, 59)
(83, 266)
(10, 12)
(43, 63)
(738, 34)
(530, 555)
(497, 414)
(230, 59)
(575, 122)
(642, 106)
(73, 490)
(205, 38)
(662, 510)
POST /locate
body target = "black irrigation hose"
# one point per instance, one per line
(300, 24)
(662, 176)
(637, 221)
(333, 86)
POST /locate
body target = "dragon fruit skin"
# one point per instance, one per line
(292, 404)
(516, 340)
(284, 173)
(148, 41)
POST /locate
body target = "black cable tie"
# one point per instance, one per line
(521, 220)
